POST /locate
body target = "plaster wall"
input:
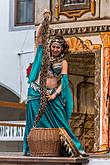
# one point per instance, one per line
(101, 12)
(40, 5)
(12, 43)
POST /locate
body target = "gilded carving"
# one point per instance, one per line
(106, 74)
(83, 30)
(74, 9)
(105, 39)
(76, 43)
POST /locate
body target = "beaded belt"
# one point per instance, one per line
(36, 87)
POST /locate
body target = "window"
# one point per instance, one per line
(24, 12)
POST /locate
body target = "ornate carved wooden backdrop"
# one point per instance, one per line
(106, 84)
(84, 59)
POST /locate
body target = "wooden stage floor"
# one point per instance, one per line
(15, 158)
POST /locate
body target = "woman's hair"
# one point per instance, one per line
(62, 41)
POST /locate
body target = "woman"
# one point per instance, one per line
(60, 102)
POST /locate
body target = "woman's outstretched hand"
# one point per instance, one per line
(46, 17)
(51, 97)
(42, 27)
(46, 13)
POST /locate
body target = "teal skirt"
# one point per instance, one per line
(55, 116)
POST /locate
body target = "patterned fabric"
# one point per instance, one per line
(57, 68)
(68, 148)
(54, 70)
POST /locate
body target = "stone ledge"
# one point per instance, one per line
(10, 158)
(81, 30)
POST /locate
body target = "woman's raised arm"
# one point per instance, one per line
(40, 28)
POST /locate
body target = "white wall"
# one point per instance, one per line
(12, 43)
(98, 161)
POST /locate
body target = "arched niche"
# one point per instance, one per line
(84, 59)
(11, 115)
(10, 109)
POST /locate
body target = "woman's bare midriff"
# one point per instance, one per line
(51, 82)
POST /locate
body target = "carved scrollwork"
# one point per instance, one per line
(82, 30)
(105, 39)
(76, 44)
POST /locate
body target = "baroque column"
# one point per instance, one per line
(105, 92)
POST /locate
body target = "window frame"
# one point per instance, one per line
(16, 23)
